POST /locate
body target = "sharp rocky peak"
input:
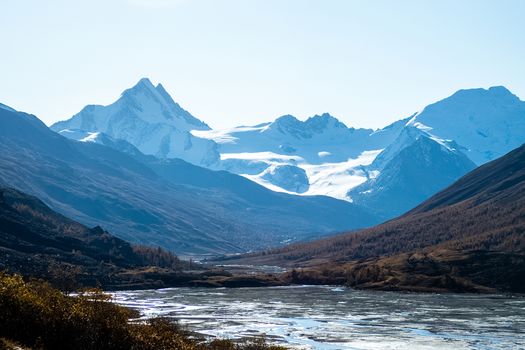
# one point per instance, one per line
(145, 87)
(319, 122)
(287, 118)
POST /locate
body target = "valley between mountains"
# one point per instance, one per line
(112, 195)
(262, 175)
(466, 238)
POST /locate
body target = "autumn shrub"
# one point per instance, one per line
(38, 316)
(259, 343)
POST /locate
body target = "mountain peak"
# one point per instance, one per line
(144, 85)
(480, 120)
(285, 122)
(502, 91)
(494, 92)
(500, 88)
(161, 90)
(287, 118)
(323, 116)
(147, 117)
(145, 82)
(165, 95)
(320, 122)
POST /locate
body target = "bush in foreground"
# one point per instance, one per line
(38, 316)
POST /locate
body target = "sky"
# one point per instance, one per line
(243, 62)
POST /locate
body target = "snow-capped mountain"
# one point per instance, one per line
(323, 156)
(413, 168)
(319, 156)
(439, 145)
(487, 122)
(318, 140)
(147, 117)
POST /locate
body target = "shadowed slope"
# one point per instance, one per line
(168, 203)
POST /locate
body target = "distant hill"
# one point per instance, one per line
(469, 237)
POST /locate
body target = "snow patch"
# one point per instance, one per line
(91, 137)
(269, 157)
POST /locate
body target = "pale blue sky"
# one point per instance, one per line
(232, 62)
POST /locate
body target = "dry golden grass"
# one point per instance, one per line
(38, 316)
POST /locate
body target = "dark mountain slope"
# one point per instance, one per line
(36, 241)
(500, 179)
(165, 203)
(411, 176)
(29, 226)
(469, 237)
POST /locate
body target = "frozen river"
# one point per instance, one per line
(324, 317)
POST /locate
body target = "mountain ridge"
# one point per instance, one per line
(147, 117)
(37, 242)
(170, 203)
(322, 156)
